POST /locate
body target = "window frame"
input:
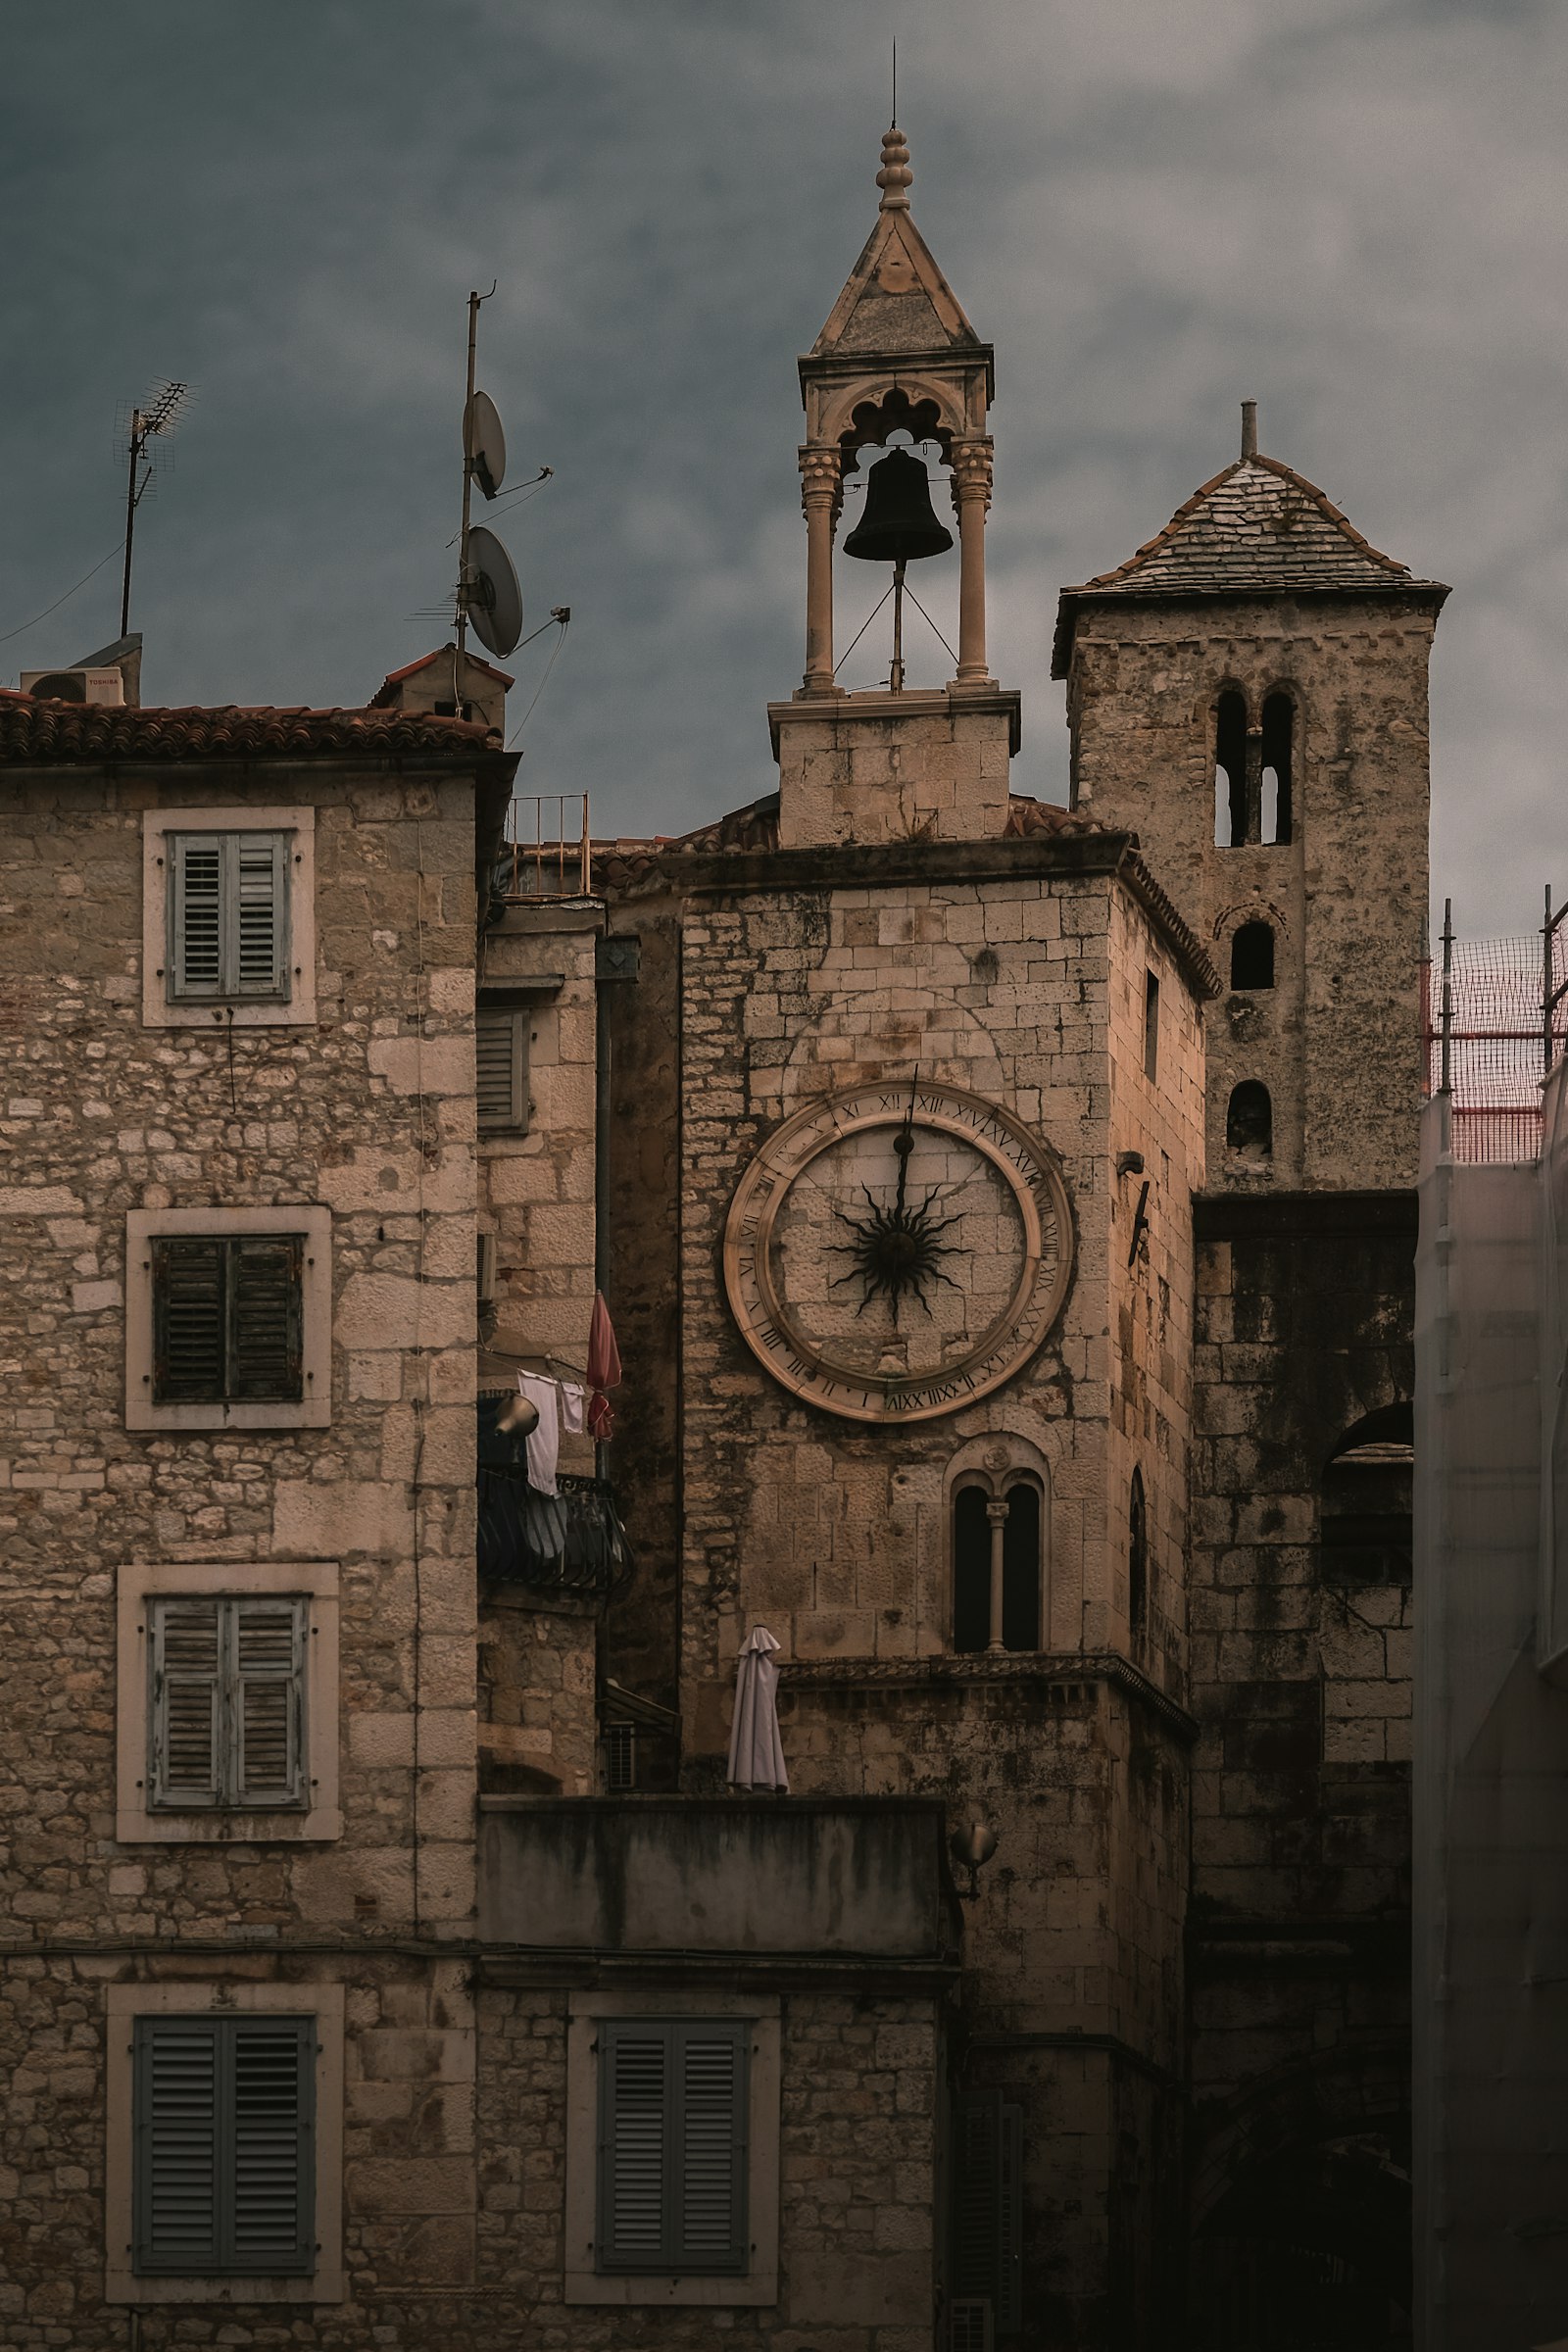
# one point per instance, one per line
(140, 1822)
(314, 1408)
(227, 1710)
(676, 2036)
(584, 2281)
(162, 1010)
(125, 2004)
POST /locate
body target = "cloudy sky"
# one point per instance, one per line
(1353, 210)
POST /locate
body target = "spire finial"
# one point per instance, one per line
(1249, 428)
(894, 176)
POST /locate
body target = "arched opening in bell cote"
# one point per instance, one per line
(898, 514)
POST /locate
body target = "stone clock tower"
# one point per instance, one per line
(927, 1059)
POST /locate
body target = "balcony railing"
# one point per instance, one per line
(547, 852)
(570, 1541)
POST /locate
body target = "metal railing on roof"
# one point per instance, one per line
(1495, 1017)
(547, 852)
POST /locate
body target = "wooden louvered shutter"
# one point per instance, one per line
(500, 1068)
(634, 2074)
(188, 1364)
(177, 2216)
(196, 914)
(267, 1696)
(224, 2145)
(269, 2205)
(988, 2209)
(673, 2154)
(257, 962)
(265, 1318)
(709, 2170)
(186, 1714)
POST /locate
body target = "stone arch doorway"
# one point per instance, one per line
(1301, 2209)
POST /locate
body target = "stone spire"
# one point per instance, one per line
(894, 177)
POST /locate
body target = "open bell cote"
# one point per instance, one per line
(897, 355)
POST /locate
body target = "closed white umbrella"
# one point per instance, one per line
(756, 1750)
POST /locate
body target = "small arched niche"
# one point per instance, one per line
(999, 1538)
(1249, 1121)
(1365, 1501)
(1253, 955)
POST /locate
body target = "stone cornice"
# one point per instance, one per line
(915, 1674)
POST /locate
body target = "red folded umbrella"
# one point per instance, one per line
(604, 1370)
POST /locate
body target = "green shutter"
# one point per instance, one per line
(711, 2169)
(228, 916)
(672, 2155)
(176, 2136)
(187, 1319)
(271, 2199)
(268, 1705)
(224, 2135)
(228, 1318)
(185, 1652)
(988, 2209)
(227, 1701)
(265, 1287)
(500, 1068)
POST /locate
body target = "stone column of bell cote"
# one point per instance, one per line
(896, 368)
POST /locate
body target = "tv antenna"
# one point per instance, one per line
(162, 413)
(488, 594)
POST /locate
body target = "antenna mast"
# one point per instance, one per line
(474, 300)
(161, 416)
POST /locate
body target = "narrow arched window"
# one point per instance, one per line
(1278, 735)
(971, 1570)
(1249, 1121)
(1252, 956)
(997, 1568)
(1136, 1555)
(1020, 1568)
(1230, 771)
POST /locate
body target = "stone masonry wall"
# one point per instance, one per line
(857, 2182)
(372, 1115)
(1300, 1680)
(1336, 1041)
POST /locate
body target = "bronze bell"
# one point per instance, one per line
(898, 524)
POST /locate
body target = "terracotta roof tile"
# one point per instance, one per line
(35, 731)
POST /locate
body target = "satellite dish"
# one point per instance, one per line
(485, 444)
(492, 596)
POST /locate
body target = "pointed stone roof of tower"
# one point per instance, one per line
(896, 300)
(1257, 528)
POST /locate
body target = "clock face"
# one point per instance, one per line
(896, 1252)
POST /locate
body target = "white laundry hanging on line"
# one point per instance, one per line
(561, 1405)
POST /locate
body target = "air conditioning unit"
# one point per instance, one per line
(972, 2325)
(74, 685)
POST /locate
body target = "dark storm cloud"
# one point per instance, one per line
(1352, 211)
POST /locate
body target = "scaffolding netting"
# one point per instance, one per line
(1486, 1013)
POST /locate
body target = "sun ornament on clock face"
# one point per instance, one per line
(896, 1252)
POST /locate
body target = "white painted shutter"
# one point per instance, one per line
(184, 1769)
(500, 1068)
(258, 901)
(269, 1701)
(196, 914)
(228, 914)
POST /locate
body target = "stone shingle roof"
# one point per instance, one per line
(1258, 529)
(33, 731)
